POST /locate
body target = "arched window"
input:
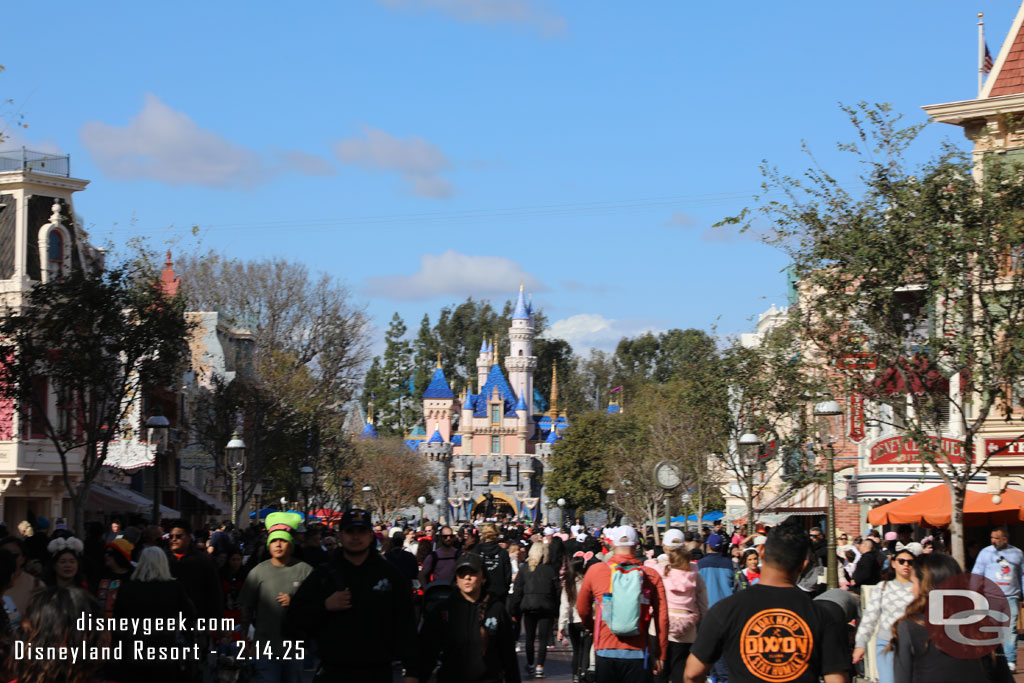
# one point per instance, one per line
(54, 254)
(520, 352)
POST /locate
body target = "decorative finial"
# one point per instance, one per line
(554, 391)
(168, 262)
(369, 410)
(55, 212)
(520, 285)
(438, 359)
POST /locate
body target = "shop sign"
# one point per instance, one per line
(901, 450)
(857, 431)
(1013, 447)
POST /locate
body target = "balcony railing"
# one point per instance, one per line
(35, 162)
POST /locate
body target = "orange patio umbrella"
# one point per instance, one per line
(932, 507)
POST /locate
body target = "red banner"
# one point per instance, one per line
(1012, 447)
(901, 450)
(857, 431)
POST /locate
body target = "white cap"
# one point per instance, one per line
(580, 538)
(673, 538)
(607, 531)
(759, 540)
(663, 558)
(624, 535)
(575, 529)
(550, 531)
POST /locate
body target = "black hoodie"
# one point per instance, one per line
(452, 632)
(379, 627)
(497, 568)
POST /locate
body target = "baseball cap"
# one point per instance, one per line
(122, 547)
(580, 538)
(714, 541)
(356, 518)
(471, 560)
(673, 538)
(624, 535)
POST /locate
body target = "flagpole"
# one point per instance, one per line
(981, 51)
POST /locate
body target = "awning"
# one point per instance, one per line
(204, 498)
(932, 507)
(119, 499)
(806, 500)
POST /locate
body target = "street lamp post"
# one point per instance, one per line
(422, 500)
(306, 482)
(824, 413)
(346, 493)
(234, 452)
(611, 503)
(157, 427)
(749, 447)
(561, 512)
(367, 490)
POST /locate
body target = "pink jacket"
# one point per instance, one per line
(687, 603)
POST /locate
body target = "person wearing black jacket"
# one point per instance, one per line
(400, 557)
(470, 633)
(868, 571)
(358, 607)
(198, 576)
(497, 565)
(535, 600)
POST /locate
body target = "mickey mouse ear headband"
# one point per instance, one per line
(58, 544)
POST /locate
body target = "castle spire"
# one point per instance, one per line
(521, 312)
(438, 366)
(554, 391)
(495, 349)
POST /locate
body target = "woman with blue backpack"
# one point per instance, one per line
(535, 603)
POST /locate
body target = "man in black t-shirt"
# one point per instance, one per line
(772, 631)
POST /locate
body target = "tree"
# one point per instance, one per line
(912, 290)
(9, 117)
(311, 349)
(396, 476)
(768, 388)
(580, 463)
(391, 383)
(99, 341)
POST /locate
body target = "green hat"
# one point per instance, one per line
(282, 525)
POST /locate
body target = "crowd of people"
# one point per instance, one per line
(479, 602)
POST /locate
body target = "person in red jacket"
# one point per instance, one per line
(625, 659)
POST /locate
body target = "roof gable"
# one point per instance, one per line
(495, 379)
(438, 387)
(1007, 77)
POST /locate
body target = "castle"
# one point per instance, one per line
(490, 450)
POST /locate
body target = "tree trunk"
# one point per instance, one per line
(78, 509)
(653, 512)
(957, 494)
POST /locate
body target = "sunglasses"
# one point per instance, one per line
(177, 535)
(903, 560)
(447, 535)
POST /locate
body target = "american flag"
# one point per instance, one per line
(986, 64)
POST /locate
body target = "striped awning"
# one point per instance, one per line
(806, 500)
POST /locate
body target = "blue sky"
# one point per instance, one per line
(428, 150)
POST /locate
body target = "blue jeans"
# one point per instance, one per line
(884, 661)
(276, 671)
(1010, 644)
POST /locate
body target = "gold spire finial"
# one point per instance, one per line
(369, 412)
(438, 366)
(495, 347)
(554, 391)
(520, 285)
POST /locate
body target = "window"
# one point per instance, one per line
(34, 417)
(494, 478)
(495, 444)
(495, 414)
(54, 254)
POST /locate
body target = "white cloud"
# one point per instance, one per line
(417, 160)
(592, 330)
(455, 274)
(523, 12)
(680, 220)
(166, 145)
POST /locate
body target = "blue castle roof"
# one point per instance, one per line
(521, 403)
(470, 401)
(369, 431)
(436, 436)
(418, 430)
(412, 444)
(613, 409)
(456, 439)
(438, 387)
(553, 435)
(521, 312)
(495, 379)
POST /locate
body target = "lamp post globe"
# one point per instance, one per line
(824, 413)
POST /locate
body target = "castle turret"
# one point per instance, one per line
(522, 421)
(483, 363)
(439, 402)
(521, 363)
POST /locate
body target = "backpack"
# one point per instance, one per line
(433, 566)
(624, 607)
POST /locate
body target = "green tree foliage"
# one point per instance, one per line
(391, 382)
(580, 461)
(919, 278)
(100, 340)
(657, 358)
